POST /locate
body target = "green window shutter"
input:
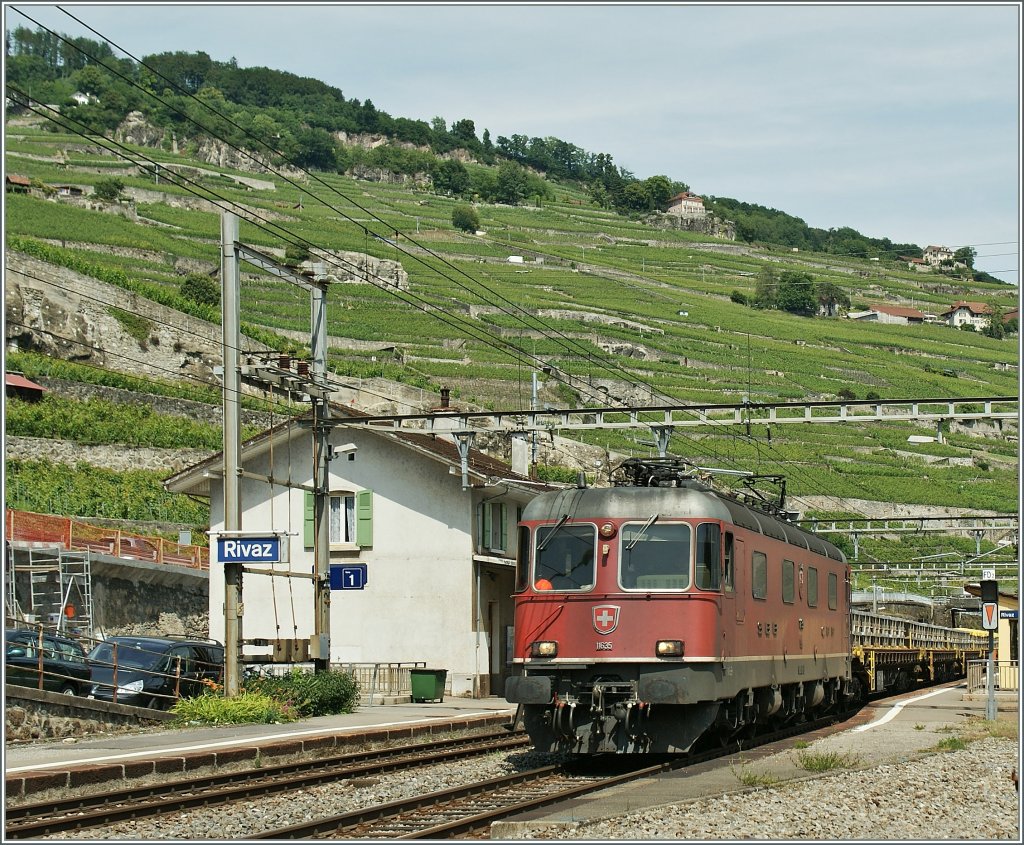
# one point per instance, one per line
(364, 518)
(309, 516)
(504, 527)
(485, 532)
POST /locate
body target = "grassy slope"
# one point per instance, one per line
(596, 262)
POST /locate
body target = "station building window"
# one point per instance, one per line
(350, 519)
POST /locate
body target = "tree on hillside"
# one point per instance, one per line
(200, 288)
(109, 189)
(316, 149)
(464, 217)
(796, 294)
(831, 298)
(966, 255)
(512, 183)
(995, 327)
(450, 177)
(766, 291)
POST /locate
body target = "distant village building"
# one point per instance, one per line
(18, 184)
(897, 314)
(686, 205)
(961, 313)
(935, 255)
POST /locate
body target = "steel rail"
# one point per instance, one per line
(33, 820)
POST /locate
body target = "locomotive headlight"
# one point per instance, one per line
(544, 648)
(607, 530)
(669, 648)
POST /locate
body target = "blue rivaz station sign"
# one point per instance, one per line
(249, 549)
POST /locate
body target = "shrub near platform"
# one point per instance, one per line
(272, 700)
(320, 694)
(212, 708)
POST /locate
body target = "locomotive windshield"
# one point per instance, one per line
(655, 556)
(565, 557)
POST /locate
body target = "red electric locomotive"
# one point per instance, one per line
(658, 611)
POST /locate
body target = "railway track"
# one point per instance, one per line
(39, 819)
(460, 811)
(468, 811)
(465, 811)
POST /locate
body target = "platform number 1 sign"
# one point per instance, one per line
(350, 576)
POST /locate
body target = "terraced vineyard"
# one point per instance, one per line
(612, 307)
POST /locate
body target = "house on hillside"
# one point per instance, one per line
(935, 255)
(963, 313)
(686, 205)
(439, 556)
(16, 184)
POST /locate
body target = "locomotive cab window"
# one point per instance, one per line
(833, 591)
(565, 557)
(654, 556)
(709, 556)
(523, 559)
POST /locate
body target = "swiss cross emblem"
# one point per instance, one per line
(606, 618)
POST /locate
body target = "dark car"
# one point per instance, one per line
(64, 666)
(154, 671)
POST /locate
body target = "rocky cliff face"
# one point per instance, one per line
(67, 315)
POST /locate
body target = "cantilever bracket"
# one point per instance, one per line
(464, 441)
(661, 434)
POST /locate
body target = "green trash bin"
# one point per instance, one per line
(428, 684)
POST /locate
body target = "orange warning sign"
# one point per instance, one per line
(990, 616)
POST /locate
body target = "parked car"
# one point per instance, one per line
(64, 665)
(154, 671)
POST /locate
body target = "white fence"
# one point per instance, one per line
(1005, 677)
(381, 679)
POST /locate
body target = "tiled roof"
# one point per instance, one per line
(18, 380)
(974, 307)
(898, 311)
(432, 444)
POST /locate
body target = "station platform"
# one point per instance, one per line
(33, 767)
(891, 732)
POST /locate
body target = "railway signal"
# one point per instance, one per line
(990, 622)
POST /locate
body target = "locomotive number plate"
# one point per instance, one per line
(604, 645)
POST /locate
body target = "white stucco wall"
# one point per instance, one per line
(418, 602)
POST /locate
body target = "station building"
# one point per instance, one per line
(439, 554)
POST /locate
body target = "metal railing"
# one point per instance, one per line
(381, 679)
(27, 527)
(1006, 676)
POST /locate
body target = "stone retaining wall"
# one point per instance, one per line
(31, 714)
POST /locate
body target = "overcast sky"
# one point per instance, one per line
(900, 121)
